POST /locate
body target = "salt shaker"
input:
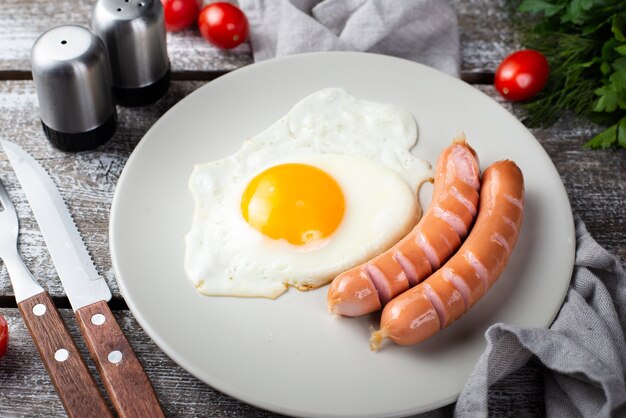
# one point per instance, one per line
(73, 85)
(133, 32)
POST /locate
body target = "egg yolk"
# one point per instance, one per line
(295, 202)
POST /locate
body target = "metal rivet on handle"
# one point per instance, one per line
(61, 355)
(39, 309)
(115, 357)
(98, 319)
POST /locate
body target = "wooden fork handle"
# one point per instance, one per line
(74, 384)
(122, 374)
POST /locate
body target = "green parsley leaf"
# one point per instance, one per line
(576, 11)
(604, 139)
(607, 102)
(585, 44)
(540, 6)
(621, 132)
(618, 27)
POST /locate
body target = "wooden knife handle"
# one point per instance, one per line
(67, 369)
(123, 375)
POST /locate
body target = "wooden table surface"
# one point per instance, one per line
(595, 182)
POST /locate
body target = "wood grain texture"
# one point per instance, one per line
(121, 371)
(21, 22)
(75, 386)
(486, 35)
(485, 32)
(521, 391)
(26, 390)
(86, 180)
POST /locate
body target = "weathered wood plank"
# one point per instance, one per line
(25, 387)
(21, 22)
(86, 180)
(521, 392)
(485, 32)
(594, 180)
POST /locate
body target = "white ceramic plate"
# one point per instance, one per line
(290, 355)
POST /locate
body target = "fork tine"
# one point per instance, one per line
(6, 202)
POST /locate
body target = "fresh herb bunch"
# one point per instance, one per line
(585, 44)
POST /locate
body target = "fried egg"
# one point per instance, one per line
(326, 187)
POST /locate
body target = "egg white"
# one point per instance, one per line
(365, 146)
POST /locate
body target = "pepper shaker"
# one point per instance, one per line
(133, 32)
(73, 85)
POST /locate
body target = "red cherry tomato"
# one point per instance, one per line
(180, 14)
(522, 74)
(223, 24)
(4, 336)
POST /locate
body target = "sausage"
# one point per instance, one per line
(452, 290)
(369, 286)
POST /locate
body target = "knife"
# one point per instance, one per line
(123, 375)
(75, 386)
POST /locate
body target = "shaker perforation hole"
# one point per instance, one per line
(119, 9)
(63, 42)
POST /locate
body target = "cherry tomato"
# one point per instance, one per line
(4, 336)
(522, 74)
(180, 14)
(223, 24)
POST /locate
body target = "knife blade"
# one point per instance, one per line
(68, 372)
(81, 281)
(122, 374)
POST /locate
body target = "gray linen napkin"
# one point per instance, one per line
(583, 352)
(425, 31)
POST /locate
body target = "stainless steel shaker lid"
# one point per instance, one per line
(73, 85)
(133, 32)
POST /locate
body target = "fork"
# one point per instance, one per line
(74, 384)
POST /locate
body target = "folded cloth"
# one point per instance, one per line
(583, 352)
(425, 31)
